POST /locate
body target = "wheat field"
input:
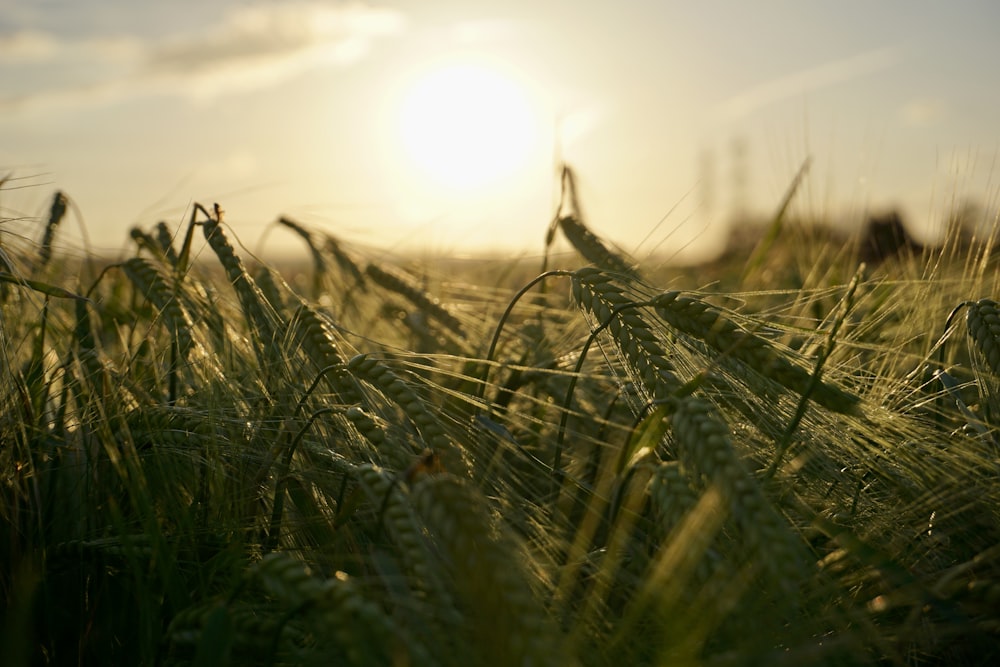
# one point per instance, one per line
(207, 461)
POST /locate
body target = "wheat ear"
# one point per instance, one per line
(252, 300)
(56, 214)
(406, 529)
(370, 369)
(704, 446)
(405, 286)
(671, 494)
(165, 240)
(359, 629)
(983, 321)
(269, 287)
(598, 293)
(509, 624)
(154, 285)
(697, 318)
(593, 249)
(347, 265)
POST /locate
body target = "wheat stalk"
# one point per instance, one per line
(88, 352)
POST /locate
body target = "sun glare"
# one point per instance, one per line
(465, 127)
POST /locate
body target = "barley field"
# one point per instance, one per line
(793, 460)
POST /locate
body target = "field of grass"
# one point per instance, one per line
(205, 461)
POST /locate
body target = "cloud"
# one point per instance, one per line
(252, 47)
(39, 48)
(260, 36)
(27, 46)
(807, 80)
(923, 112)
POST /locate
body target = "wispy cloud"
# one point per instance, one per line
(923, 112)
(251, 47)
(27, 46)
(814, 78)
(269, 37)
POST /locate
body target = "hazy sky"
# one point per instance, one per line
(439, 124)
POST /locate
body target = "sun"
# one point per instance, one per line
(466, 126)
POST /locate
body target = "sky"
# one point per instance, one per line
(439, 126)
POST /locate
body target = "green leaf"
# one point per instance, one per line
(38, 286)
(646, 436)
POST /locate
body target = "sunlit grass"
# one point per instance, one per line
(206, 461)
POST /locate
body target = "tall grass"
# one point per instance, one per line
(203, 464)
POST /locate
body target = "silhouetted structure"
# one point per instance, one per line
(885, 237)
